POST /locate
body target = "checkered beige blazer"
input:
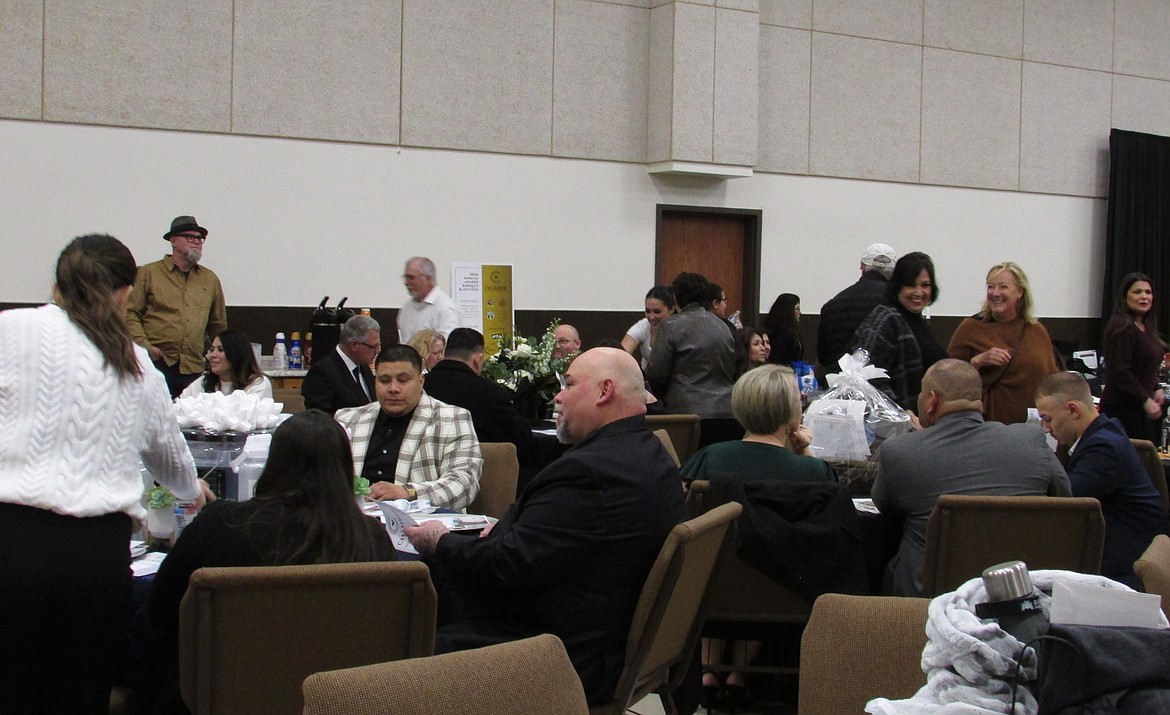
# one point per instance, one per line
(440, 456)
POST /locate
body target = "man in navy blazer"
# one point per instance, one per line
(1103, 463)
(331, 383)
(570, 557)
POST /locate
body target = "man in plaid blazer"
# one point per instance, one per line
(410, 445)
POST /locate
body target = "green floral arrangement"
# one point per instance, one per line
(160, 498)
(361, 486)
(528, 368)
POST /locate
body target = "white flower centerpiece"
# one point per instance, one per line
(528, 368)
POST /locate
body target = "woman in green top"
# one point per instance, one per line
(766, 401)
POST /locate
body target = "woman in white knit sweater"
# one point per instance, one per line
(80, 404)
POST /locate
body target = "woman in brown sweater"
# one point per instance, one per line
(1007, 344)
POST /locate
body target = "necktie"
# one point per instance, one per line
(357, 375)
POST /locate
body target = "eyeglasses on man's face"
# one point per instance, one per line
(191, 238)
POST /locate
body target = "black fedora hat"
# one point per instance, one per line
(185, 223)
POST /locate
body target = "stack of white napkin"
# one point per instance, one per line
(237, 412)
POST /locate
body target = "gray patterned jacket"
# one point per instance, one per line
(440, 456)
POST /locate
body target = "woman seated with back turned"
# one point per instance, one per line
(231, 366)
(304, 512)
(766, 401)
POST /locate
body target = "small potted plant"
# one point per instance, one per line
(160, 514)
(361, 488)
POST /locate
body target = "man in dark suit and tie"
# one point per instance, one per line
(456, 380)
(570, 557)
(343, 378)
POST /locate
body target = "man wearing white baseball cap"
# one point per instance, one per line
(844, 312)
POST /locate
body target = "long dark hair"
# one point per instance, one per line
(782, 317)
(905, 274)
(308, 481)
(1121, 312)
(743, 349)
(238, 351)
(89, 270)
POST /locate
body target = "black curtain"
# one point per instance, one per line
(1137, 236)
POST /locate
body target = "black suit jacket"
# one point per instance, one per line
(330, 386)
(490, 405)
(570, 557)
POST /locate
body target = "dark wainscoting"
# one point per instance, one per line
(261, 323)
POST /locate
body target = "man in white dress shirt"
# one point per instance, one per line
(428, 307)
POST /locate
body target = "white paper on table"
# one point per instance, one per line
(865, 504)
(838, 429)
(1087, 605)
(147, 565)
(396, 520)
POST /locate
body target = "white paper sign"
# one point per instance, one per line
(1086, 605)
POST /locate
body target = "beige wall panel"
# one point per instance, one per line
(1142, 42)
(989, 27)
(1141, 105)
(151, 63)
(737, 87)
(896, 20)
(660, 87)
(970, 120)
(694, 77)
(478, 74)
(1064, 137)
(600, 81)
(748, 5)
(20, 57)
(784, 84)
(1076, 34)
(866, 96)
(787, 13)
(317, 70)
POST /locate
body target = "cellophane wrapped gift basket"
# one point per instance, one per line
(851, 419)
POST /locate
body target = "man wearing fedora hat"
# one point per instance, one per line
(176, 303)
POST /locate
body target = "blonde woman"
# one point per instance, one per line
(1005, 342)
(430, 345)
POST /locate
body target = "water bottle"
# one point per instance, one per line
(1165, 433)
(279, 353)
(294, 353)
(1012, 601)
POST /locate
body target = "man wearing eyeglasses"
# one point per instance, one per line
(343, 378)
(429, 307)
(176, 305)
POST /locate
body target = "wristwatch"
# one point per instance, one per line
(411, 493)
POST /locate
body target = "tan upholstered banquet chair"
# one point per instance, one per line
(248, 636)
(664, 437)
(683, 430)
(1153, 568)
(532, 676)
(497, 482)
(666, 623)
(856, 648)
(1152, 462)
(966, 534)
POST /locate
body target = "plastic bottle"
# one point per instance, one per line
(308, 357)
(1165, 433)
(279, 353)
(295, 357)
